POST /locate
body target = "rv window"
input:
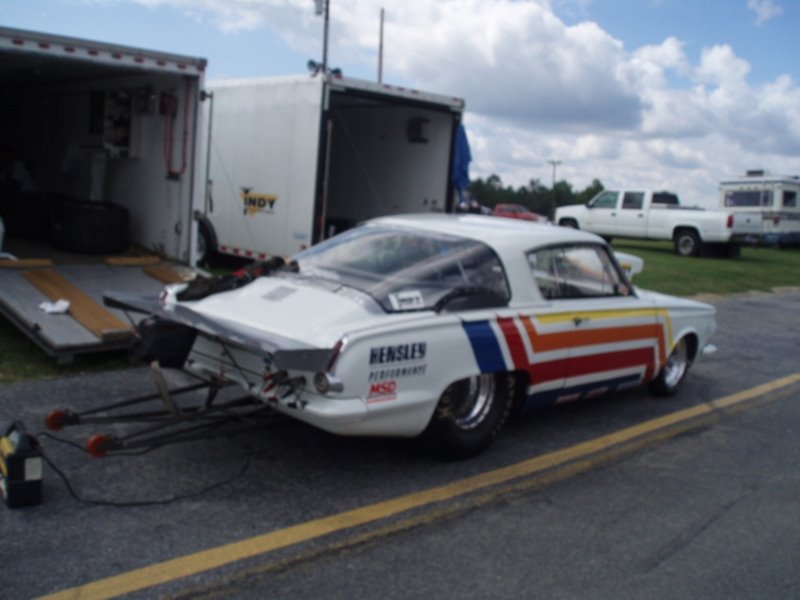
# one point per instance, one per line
(790, 198)
(749, 198)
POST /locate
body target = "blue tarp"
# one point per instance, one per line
(461, 159)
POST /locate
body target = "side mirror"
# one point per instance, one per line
(632, 265)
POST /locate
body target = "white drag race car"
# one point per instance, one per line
(431, 325)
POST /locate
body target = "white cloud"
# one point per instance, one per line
(765, 10)
(537, 88)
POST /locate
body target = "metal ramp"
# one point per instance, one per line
(88, 326)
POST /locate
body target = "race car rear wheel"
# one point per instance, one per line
(672, 373)
(469, 415)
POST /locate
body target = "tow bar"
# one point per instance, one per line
(169, 424)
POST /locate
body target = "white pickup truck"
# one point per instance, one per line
(659, 216)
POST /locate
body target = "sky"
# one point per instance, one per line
(645, 94)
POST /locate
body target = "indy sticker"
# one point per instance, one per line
(255, 203)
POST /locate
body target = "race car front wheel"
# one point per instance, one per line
(469, 415)
(672, 373)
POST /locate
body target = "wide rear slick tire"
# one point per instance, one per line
(470, 414)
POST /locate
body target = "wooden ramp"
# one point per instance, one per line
(89, 326)
(95, 317)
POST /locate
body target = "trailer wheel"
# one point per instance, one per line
(470, 414)
(687, 243)
(206, 242)
(90, 227)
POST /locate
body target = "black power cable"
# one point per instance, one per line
(128, 504)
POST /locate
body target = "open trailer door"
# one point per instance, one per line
(105, 137)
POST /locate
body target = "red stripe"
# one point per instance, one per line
(547, 371)
(609, 361)
(514, 341)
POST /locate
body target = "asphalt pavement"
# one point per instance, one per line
(710, 510)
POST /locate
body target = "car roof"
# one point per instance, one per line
(501, 234)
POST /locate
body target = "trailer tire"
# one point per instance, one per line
(687, 243)
(90, 227)
(206, 242)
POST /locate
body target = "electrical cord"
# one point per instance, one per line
(134, 503)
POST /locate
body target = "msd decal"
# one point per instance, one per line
(257, 203)
(382, 391)
(566, 361)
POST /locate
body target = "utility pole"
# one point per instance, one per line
(555, 164)
(380, 51)
(322, 8)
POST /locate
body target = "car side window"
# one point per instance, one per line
(580, 271)
(605, 200)
(633, 200)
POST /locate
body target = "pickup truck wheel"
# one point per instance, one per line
(672, 373)
(569, 223)
(687, 243)
(470, 414)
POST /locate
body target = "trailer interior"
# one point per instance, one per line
(97, 182)
(388, 155)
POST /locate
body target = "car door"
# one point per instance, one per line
(597, 336)
(601, 214)
(630, 218)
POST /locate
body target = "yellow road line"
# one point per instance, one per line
(205, 560)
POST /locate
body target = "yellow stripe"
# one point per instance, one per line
(599, 314)
(199, 562)
(6, 447)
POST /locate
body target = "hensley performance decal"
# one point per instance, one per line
(397, 372)
(384, 355)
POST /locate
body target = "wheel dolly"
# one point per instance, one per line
(170, 424)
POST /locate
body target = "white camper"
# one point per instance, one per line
(294, 160)
(775, 197)
(99, 155)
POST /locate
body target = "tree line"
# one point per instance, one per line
(535, 196)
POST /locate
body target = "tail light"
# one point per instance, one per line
(730, 221)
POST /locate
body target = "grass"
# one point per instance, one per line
(21, 359)
(762, 269)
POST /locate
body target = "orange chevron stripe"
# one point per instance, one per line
(548, 342)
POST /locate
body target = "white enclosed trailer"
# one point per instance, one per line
(294, 160)
(107, 138)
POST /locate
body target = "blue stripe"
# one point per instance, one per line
(549, 397)
(485, 347)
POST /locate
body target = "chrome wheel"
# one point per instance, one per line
(471, 408)
(676, 365)
(674, 370)
(469, 415)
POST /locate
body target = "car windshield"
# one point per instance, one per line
(405, 269)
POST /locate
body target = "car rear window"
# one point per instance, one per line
(407, 269)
